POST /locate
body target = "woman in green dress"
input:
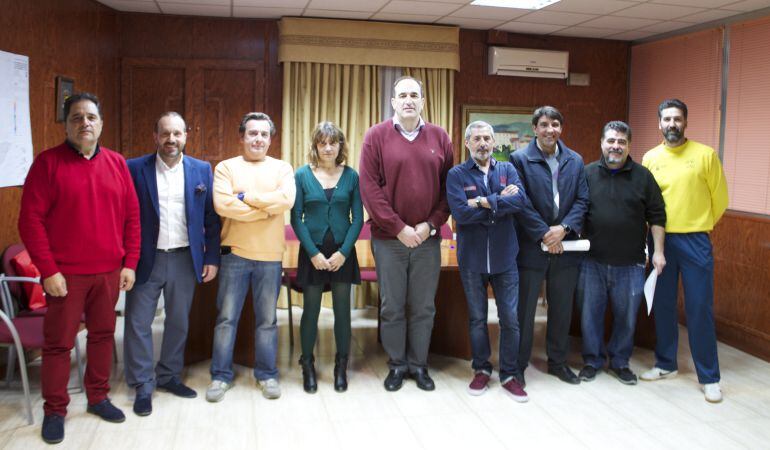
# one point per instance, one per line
(327, 218)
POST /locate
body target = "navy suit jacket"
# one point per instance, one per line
(534, 220)
(203, 224)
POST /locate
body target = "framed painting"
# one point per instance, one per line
(512, 125)
(64, 88)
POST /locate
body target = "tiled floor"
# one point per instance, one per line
(600, 414)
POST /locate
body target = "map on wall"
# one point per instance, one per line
(15, 129)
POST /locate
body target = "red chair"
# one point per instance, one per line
(29, 322)
(22, 333)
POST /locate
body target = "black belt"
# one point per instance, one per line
(173, 250)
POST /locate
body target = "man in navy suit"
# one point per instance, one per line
(180, 247)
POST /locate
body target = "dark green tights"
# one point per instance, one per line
(308, 326)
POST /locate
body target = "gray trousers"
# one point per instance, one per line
(174, 274)
(407, 278)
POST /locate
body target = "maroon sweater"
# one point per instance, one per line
(79, 216)
(402, 182)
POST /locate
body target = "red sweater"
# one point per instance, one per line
(402, 182)
(79, 216)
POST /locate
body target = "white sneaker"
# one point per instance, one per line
(713, 392)
(216, 390)
(271, 389)
(656, 373)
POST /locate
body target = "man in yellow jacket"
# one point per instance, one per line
(694, 188)
(251, 193)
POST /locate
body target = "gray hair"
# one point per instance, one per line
(478, 124)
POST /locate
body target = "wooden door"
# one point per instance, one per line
(212, 96)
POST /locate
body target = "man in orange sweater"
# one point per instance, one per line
(79, 220)
(251, 194)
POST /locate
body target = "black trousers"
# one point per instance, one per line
(561, 279)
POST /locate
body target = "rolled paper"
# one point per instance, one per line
(580, 245)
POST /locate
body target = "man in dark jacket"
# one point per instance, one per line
(483, 195)
(554, 180)
(624, 199)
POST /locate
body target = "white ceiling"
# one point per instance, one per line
(607, 19)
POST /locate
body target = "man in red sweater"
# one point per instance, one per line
(79, 220)
(404, 166)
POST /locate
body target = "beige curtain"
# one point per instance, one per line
(439, 94)
(347, 95)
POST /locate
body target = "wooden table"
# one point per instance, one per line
(450, 329)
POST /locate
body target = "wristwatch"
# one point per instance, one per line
(478, 202)
(433, 229)
(566, 227)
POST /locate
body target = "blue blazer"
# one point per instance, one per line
(203, 223)
(534, 220)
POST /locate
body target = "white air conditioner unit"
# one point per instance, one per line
(526, 62)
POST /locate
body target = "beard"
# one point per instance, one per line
(673, 134)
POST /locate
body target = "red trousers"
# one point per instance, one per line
(96, 296)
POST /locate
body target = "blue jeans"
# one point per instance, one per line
(689, 254)
(235, 274)
(506, 288)
(623, 286)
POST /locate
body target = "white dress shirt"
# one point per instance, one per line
(409, 135)
(173, 221)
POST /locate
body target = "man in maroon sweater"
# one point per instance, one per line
(79, 220)
(404, 165)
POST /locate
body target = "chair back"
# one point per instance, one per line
(446, 231)
(7, 301)
(289, 234)
(366, 232)
(7, 268)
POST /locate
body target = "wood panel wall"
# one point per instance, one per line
(161, 37)
(585, 109)
(75, 39)
(742, 282)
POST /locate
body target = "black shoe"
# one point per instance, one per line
(395, 379)
(424, 381)
(178, 388)
(519, 377)
(107, 411)
(624, 375)
(587, 373)
(143, 405)
(53, 429)
(565, 374)
(309, 381)
(340, 373)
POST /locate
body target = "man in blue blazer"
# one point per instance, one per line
(180, 247)
(555, 182)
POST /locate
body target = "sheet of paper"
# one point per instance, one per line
(15, 131)
(649, 289)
